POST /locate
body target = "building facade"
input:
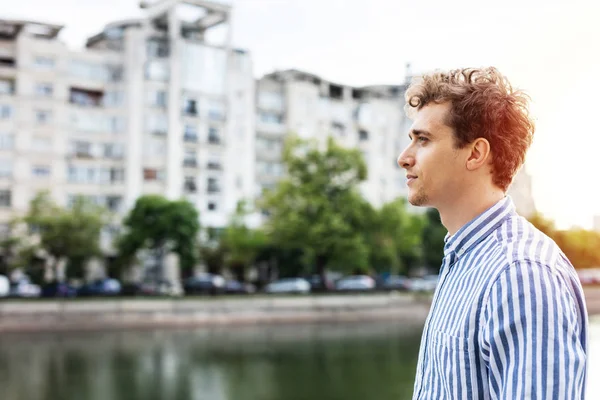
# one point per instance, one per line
(155, 105)
(368, 118)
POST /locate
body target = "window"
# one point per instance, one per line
(117, 124)
(117, 175)
(213, 135)
(43, 116)
(212, 185)
(212, 206)
(41, 171)
(113, 203)
(5, 168)
(190, 107)
(81, 149)
(113, 99)
(7, 86)
(157, 70)
(157, 48)
(152, 174)
(363, 135)
(189, 184)
(189, 159)
(216, 110)
(214, 162)
(83, 174)
(113, 150)
(5, 111)
(154, 147)
(44, 89)
(190, 133)
(157, 124)
(43, 62)
(7, 141)
(270, 118)
(86, 70)
(156, 98)
(270, 101)
(41, 144)
(5, 198)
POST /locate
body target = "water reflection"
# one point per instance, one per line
(349, 361)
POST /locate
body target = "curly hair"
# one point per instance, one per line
(483, 104)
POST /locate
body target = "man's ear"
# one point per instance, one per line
(479, 155)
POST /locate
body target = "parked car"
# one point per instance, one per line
(4, 286)
(317, 284)
(289, 285)
(59, 289)
(426, 283)
(204, 284)
(396, 282)
(101, 287)
(237, 287)
(355, 283)
(24, 288)
(162, 287)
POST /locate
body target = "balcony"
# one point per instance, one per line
(8, 67)
(270, 127)
(85, 98)
(211, 189)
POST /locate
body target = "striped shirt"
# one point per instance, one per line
(508, 318)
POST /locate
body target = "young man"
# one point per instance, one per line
(508, 318)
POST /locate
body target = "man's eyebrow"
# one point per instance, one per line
(418, 132)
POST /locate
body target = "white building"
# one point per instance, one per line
(369, 118)
(158, 105)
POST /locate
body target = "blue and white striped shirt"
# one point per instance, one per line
(508, 318)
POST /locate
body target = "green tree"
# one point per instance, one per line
(161, 226)
(66, 234)
(312, 208)
(395, 238)
(433, 239)
(241, 244)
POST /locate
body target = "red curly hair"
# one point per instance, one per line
(483, 104)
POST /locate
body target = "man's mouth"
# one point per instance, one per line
(410, 179)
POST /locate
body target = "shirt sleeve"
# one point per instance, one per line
(531, 339)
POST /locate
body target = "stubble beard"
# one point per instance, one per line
(418, 199)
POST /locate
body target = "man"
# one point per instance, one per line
(508, 318)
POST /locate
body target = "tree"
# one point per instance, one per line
(433, 239)
(397, 235)
(161, 226)
(66, 234)
(241, 244)
(312, 208)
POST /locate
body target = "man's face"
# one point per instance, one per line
(434, 167)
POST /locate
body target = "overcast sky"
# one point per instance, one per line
(549, 48)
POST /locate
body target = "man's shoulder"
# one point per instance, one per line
(520, 241)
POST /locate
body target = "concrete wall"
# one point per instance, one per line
(23, 316)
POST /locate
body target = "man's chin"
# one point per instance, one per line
(417, 201)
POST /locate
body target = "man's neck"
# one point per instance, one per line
(457, 214)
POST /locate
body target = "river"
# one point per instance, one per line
(286, 362)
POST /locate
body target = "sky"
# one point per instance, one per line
(551, 49)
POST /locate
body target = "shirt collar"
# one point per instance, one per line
(478, 228)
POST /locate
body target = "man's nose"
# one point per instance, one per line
(406, 159)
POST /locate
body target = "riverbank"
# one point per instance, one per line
(92, 315)
(115, 314)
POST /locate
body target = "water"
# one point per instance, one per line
(316, 362)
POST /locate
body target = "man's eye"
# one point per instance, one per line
(422, 139)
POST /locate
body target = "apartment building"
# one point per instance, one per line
(370, 118)
(157, 105)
